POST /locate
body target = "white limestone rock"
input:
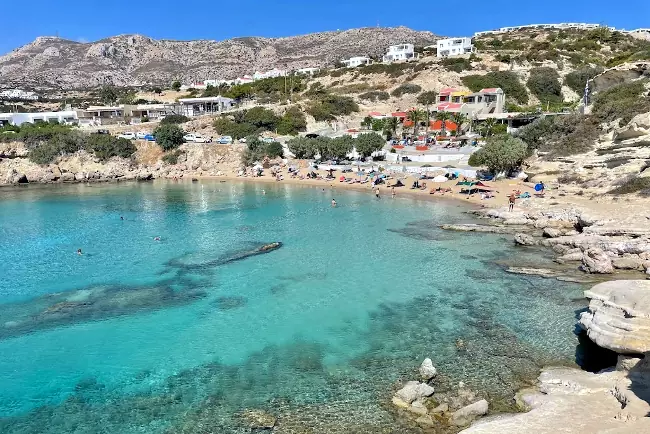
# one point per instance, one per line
(595, 260)
(427, 370)
(619, 316)
(524, 240)
(414, 390)
(467, 414)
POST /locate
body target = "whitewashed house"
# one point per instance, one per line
(455, 47)
(246, 79)
(18, 94)
(353, 62)
(67, 117)
(400, 53)
(307, 71)
(204, 106)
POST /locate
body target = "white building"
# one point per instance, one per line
(204, 106)
(18, 94)
(400, 53)
(353, 62)
(307, 71)
(244, 80)
(559, 26)
(62, 117)
(454, 47)
(273, 73)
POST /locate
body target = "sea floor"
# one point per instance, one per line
(137, 335)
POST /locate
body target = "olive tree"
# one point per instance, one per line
(366, 144)
(169, 136)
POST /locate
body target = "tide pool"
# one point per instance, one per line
(139, 335)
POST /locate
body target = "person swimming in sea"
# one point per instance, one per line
(121, 218)
(333, 203)
(79, 252)
(156, 238)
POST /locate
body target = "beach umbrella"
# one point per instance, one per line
(440, 178)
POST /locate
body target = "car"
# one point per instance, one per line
(242, 140)
(141, 135)
(268, 139)
(102, 132)
(149, 138)
(127, 135)
(196, 138)
(225, 140)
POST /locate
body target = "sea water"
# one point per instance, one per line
(145, 335)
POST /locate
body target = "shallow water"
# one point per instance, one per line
(138, 335)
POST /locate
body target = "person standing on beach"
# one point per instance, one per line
(511, 202)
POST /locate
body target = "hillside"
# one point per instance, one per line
(134, 59)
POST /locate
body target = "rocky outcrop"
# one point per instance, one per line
(414, 390)
(595, 260)
(524, 240)
(619, 74)
(479, 228)
(619, 316)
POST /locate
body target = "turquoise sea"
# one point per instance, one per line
(143, 336)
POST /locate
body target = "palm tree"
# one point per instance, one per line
(459, 119)
(443, 117)
(488, 127)
(366, 122)
(390, 125)
(415, 116)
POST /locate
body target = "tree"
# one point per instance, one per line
(501, 153)
(487, 127)
(338, 148)
(262, 118)
(292, 122)
(366, 123)
(415, 116)
(459, 119)
(443, 117)
(390, 126)
(176, 85)
(427, 98)
(108, 94)
(302, 147)
(168, 136)
(368, 143)
(545, 84)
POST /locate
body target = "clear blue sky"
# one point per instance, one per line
(87, 20)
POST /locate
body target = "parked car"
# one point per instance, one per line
(141, 135)
(149, 138)
(196, 138)
(268, 139)
(127, 135)
(102, 132)
(242, 140)
(225, 140)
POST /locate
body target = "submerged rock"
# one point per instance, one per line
(259, 419)
(524, 240)
(478, 228)
(427, 370)
(414, 390)
(467, 414)
(541, 272)
(230, 302)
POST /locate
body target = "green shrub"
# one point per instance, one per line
(105, 146)
(405, 88)
(172, 157)
(545, 84)
(174, 119)
(428, 97)
(169, 137)
(391, 69)
(561, 135)
(503, 58)
(375, 95)
(506, 80)
(292, 122)
(456, 64)
(632, 184)
(577, 79)
(257, 150)
(327, 107)
(623, 102)
(500, 153)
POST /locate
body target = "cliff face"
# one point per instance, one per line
(135, 59)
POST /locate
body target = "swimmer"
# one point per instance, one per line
(156, 238)
(121, 218)
(333, 203)
(79, 252)
(263, 191)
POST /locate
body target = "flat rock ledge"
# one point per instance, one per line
(619, 316)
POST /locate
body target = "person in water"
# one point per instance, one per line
(333, 203)
(156, 238)
(392, 191)
(377, 193)
(121, 218)
(79, 252)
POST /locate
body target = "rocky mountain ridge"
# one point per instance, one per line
(135, 59)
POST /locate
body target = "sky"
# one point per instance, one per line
(83, 20)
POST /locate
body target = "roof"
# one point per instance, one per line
(449, 106)
(491, 90)
(375, 114)
(94, 108)
(447, 90)
(398, 114)
(207, 99)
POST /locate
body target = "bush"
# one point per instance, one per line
(545, 84)
(622, 102)
(105, 146)
(68, 142)
(174, 119)
(501, 153)
(368, 143)
(327, 107)
(338, 148)
(169, 137)
(257, 150)
(292, 122)
(561, 135)
(632, 184)
(456, 64)
(375, 95)
(428, 97)
(577, 80)
(406, 88)
(172, 157)
(176, 85)
(506, 80)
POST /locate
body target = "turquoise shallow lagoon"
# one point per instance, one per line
(138, 335)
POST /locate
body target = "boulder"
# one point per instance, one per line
(67, 177)
(628, 262)
(425, 420)
(427, 370)
(57, 172)
(586, 220)
(467, 414)
(79, 176)
(552, 232)
(524, 240)
(595, 260)
(618, 317)
(418, 407)
(414, 390)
